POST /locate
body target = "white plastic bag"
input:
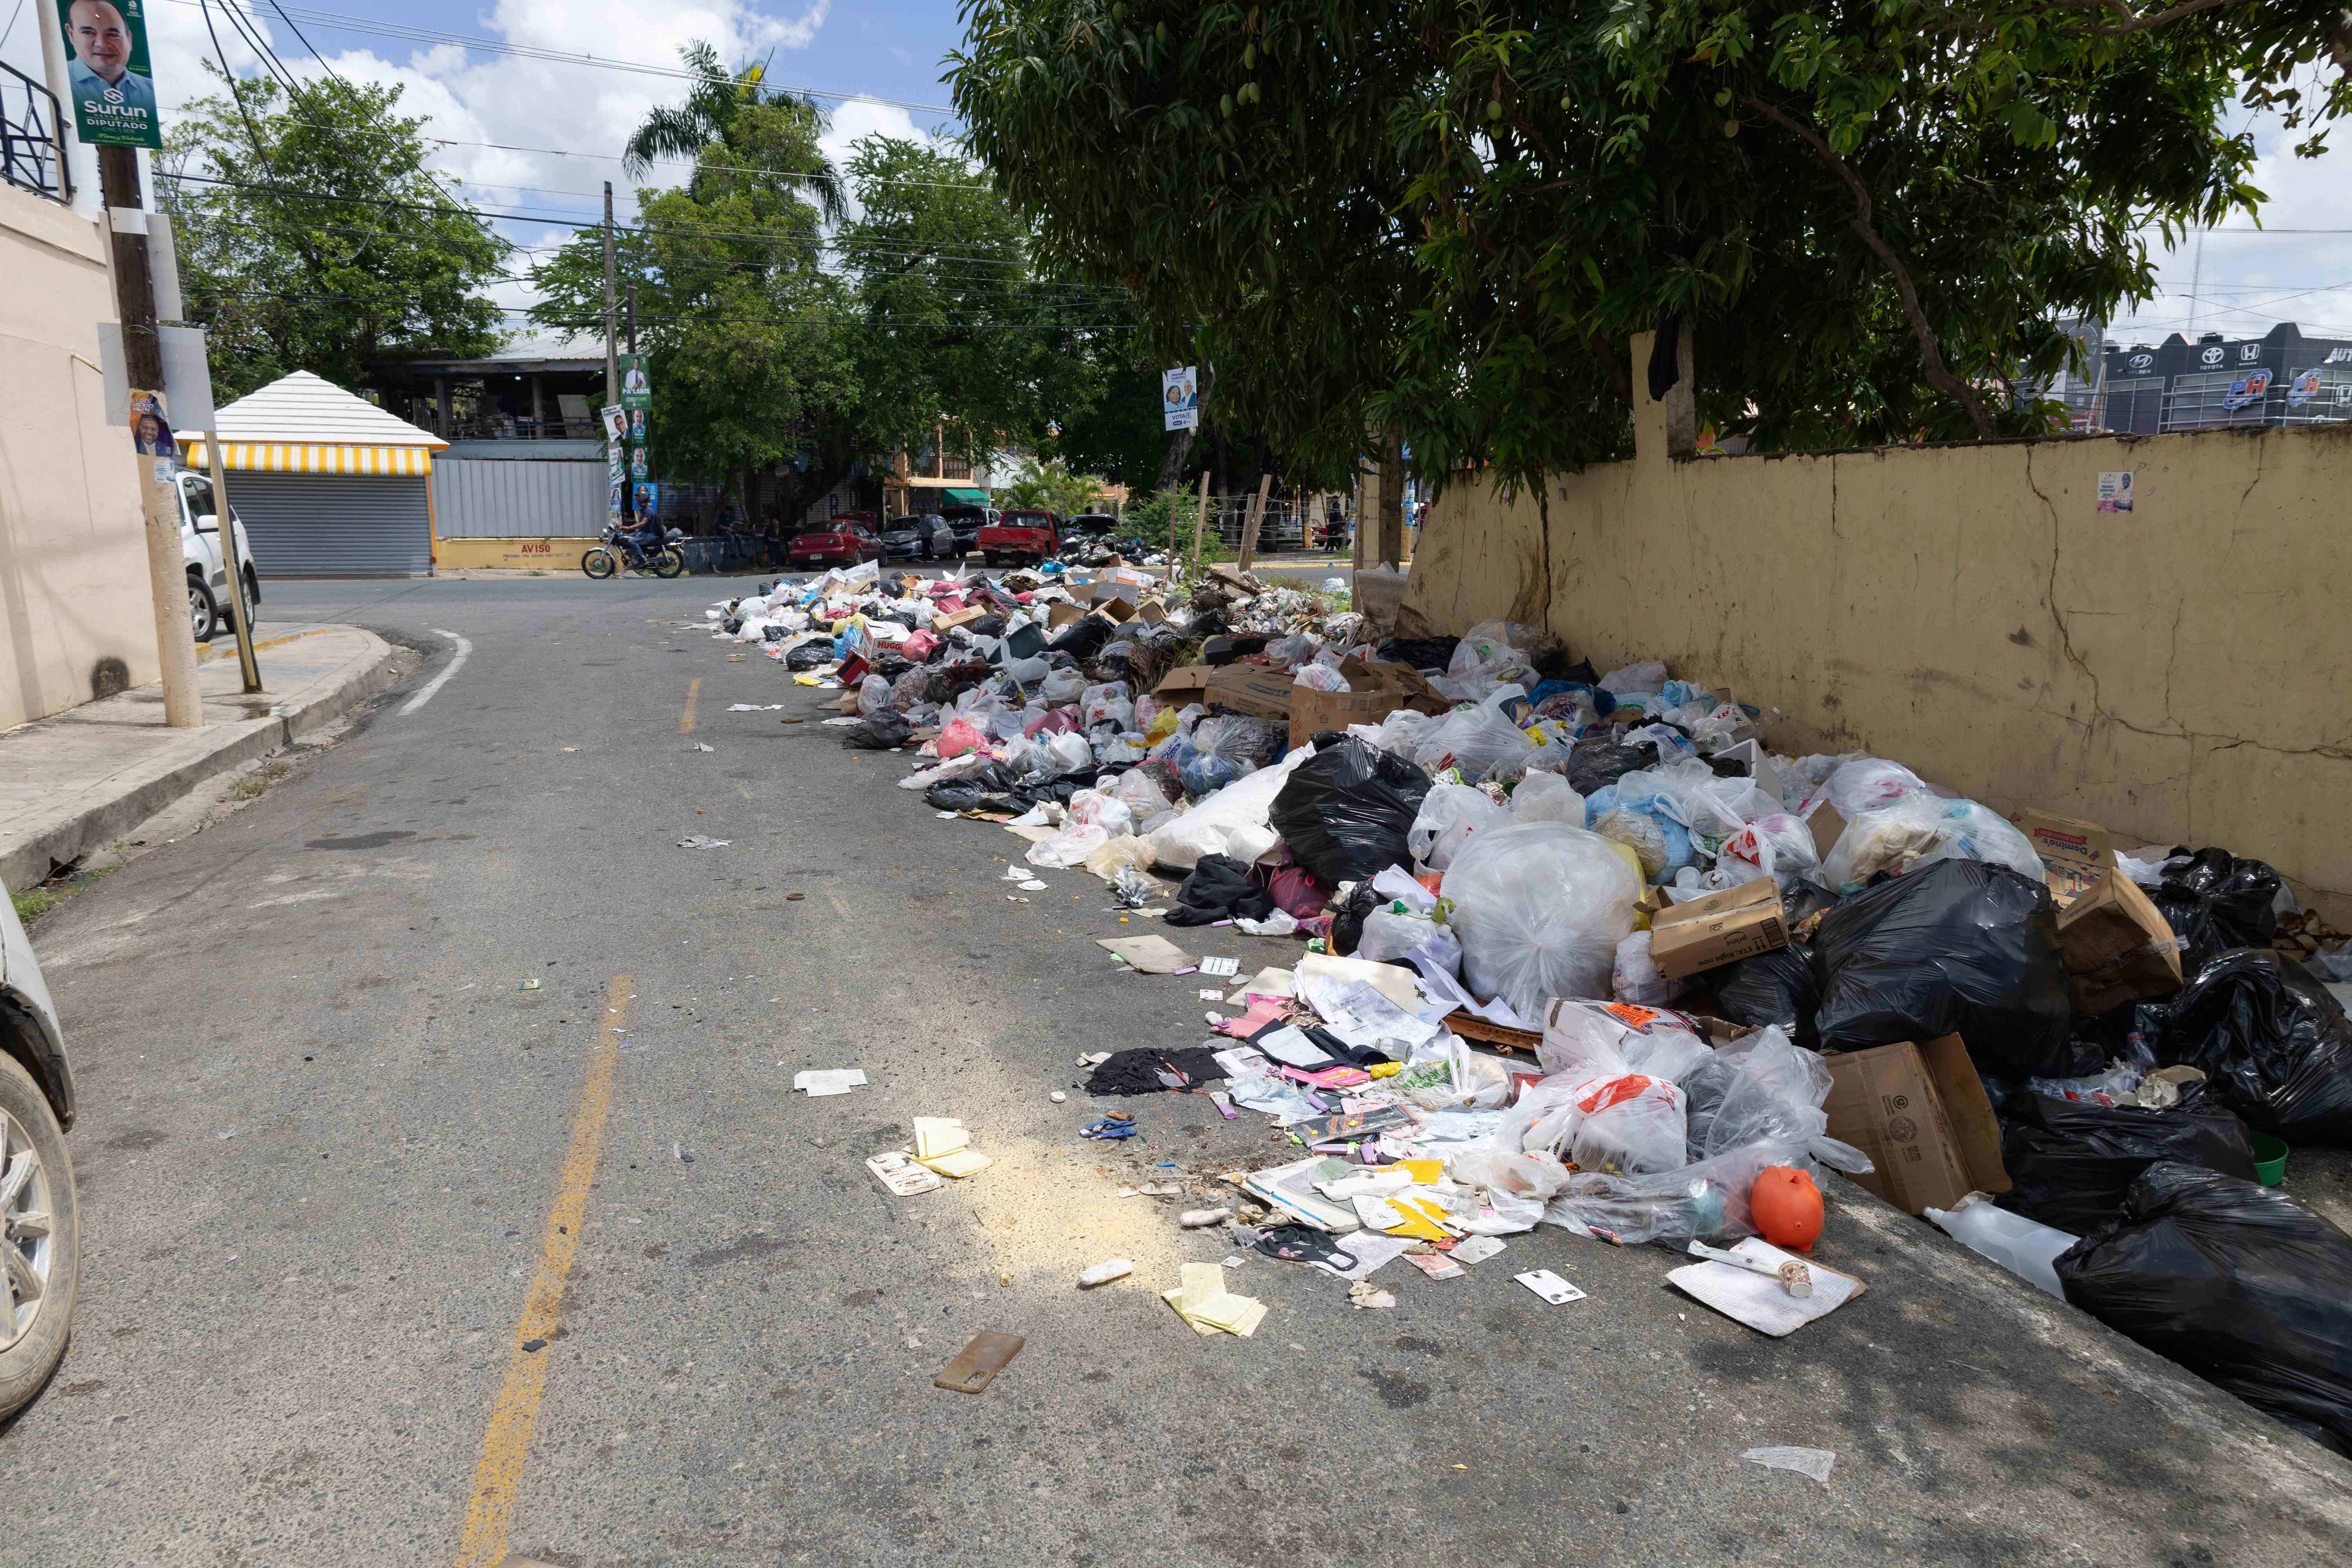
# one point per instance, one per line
(1105, 811)
(1062, 688)
(1539, 909)
(1070, 846)
(1321, 677)
(1472, 740)
(1449, 815)
(1777, 846)
(873, 695)
(1233, 821)
(1918, 828)
(1636, 978)
(1547, 798)
(1866, 783)
(1637, 679)
(1390, 933)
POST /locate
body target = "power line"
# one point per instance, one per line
(340, 22)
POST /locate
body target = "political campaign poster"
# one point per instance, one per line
(1180, 398)
(636, 392)
(108, 75)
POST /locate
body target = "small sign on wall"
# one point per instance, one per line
(2116, 491)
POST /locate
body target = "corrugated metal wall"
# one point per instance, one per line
(476, 498)
(327, 525)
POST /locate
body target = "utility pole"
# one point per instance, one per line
(633, 315)
(612, 352)
(142, 360)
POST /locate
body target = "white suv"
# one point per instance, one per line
(40, 1229)
(208, 593)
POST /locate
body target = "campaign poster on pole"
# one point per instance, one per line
(1180, 398)
(617, 421)
(636, 392)
(108, 74)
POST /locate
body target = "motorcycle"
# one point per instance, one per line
(605, 558)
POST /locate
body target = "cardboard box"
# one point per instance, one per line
(1186, 683)
(1152, 612)
(961, 618)
(1827, 826)
(2117, 944)
(1376, 690)
(1256, 689)
(1059, 614)
(1920, 1113)
(1738, 922)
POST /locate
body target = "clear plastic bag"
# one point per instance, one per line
(1637, 679)
(1662, 846)
(1630, 1125)
(1070, 846)
(1449, 815)
(1321, 677)
(1470, 740)
(1777, 846)
(1868, 783)
(1636, 978)
(1390, 932)
(1105, 811)
(1539, 909)
(1547, 798)
(873, 696)
(1920, 828)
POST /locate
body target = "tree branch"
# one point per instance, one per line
(1931, 356)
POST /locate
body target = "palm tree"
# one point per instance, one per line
(709, 112)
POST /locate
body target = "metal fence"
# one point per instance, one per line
(32, 142)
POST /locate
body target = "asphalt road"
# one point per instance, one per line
(444, 1048)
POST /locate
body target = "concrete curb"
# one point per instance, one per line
(137, 793)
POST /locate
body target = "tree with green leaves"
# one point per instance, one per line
(1444, 220)
(742, 326)
(679, 132)
(311, 237)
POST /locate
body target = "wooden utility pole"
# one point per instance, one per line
(1256, 516)
(159, 492)
(612, 307)
(1200, 521)
(1392, 543)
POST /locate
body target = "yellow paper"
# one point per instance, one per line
(1422, 1170)
(1203, 1283)
(803, 680)
(1227, 1312)
(1419, 1222)
(936, 1135)
(957, 1163)
(1176, 1300)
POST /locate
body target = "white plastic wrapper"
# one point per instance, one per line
(1867, 783)
(1321, 677)
(1919, 828)
(1547, 798)
(1105, 811)
(873, 695)
(1449, 815)
(1777, 846)
(1472, 740)
(1636, 978)
(1539, 909)
(1637, 679)
(1070, 846)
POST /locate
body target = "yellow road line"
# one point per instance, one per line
(685, 719)
(489, 1513)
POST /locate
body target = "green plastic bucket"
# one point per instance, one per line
(2269, 1160)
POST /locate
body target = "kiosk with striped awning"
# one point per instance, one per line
(327, 484)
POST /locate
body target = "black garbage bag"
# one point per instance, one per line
(954, 795)
(1955, 947)
(883, 731)
(1218, 888)
(2273, 1042)
(2070, 1161)
(1424, 654)
(1594, 765)
(1778, 988)
(809, 655)
(1082, 638)
(1348, 918)
(1346, 810)
(2216, 902)
(2239, 1283)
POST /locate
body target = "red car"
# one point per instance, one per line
(847, 540)
(1020, 538)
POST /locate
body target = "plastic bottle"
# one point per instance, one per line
(2026, 1247)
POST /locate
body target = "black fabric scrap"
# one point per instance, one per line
(1138, 1071)
(1218, 888)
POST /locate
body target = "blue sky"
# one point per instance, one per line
(2240, 284)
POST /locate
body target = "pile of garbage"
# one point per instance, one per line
(1734, 971)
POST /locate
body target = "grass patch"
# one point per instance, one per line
(34, 902)
(250, 786)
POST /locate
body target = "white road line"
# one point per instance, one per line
(438, 682)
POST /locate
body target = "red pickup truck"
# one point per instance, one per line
(1020, 538)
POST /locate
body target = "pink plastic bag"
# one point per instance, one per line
(959, 736)
(1297, 891)
(919, 645)
(1052, 721)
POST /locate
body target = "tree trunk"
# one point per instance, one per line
(1391, 500)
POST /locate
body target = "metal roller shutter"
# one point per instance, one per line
(324, 525)
(496, 497)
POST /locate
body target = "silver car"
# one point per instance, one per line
(40, 1236)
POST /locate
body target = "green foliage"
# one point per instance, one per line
(1446, 218)
(1053, 487)
(330, 282)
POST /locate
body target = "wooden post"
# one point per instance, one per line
(1200, 521)
(1256, 516)
(1392, 502)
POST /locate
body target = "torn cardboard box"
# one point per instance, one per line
(1919, 1111)
(1375, 691)
(2117, 944)
(1738, 922)
(1256, 689)
(1060, 615)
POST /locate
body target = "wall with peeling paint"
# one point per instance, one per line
(2176, 671)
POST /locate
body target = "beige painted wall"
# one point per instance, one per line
(73, 561)
(2178, 672)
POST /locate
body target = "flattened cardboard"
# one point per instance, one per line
(1376, 690)
(963, 618)
(1721, 928)
(1186, 683)
(2117, 944)
(1059, 614)
(1920, 1113)
(1828, 825)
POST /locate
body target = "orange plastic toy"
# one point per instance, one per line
(1788, 1208)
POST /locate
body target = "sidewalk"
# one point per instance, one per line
(71, 782)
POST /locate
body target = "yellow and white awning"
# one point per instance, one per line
(302, 458)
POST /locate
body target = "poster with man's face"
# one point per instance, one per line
(107, 73)
(151, 433)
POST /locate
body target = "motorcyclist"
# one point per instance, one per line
(645, 541)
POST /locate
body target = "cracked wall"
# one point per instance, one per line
(2176, 672)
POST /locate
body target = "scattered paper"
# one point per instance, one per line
(1220, 966)
(1148, 954)
(1364, 1293)
(1550, 1285)
(697, 841)
(1370, 1250)
(1758, 1300)
(753, 706)
(1477, 1249)
(897, 1170)
(1203, 1301)
(1213, 994)
(1032, 886)
(1290, 1046)
(819, 1082)
(1266, 982)
(1813, 1462)
(1436, 1265)
(937, 1135)
(957, 1162)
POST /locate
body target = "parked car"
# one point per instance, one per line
(847, 541)
(921, 536)
(967, 521)
(208, 595)
(41, 1227)
(1020, 537)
